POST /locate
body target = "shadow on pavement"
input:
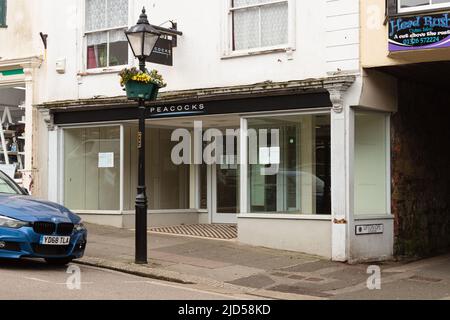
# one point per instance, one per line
(28, 264)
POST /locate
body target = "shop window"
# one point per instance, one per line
(2, 13)
(371, 164)
(12, 130)
(414, 5)
(168, 184)
(259, 24)
(105, 22)
(290, 169)
(92, 168)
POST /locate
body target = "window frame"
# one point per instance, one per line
(85, 34)
(422, 8)
(5, 15)
(229, 52)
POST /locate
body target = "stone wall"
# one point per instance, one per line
(421, 170)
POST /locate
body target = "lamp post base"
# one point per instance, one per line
(141, 227)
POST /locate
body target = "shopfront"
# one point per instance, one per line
(269, 163)
(18, 158)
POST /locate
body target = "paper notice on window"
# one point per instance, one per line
(269, 155)
(106, 160)
(264, 155)
(275, 155)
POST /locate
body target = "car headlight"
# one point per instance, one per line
(79, 227)
(12, 223)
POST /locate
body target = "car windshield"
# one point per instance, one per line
(7, 185)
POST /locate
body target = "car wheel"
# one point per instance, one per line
(58, 261)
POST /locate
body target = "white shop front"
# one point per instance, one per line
(291, 166)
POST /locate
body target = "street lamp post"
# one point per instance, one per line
(142, 39)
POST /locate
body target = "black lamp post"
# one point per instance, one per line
(142, 39)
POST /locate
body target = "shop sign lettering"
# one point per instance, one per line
(419, 32)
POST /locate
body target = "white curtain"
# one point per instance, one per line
(117, 14)
(95, 15)
(102, 14)
(260, 26)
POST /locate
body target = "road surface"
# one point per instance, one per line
(35, 280)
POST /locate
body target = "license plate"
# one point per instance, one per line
(55, 241)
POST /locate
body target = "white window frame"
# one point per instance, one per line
(85, 33)
(422, 8)
(228, 51)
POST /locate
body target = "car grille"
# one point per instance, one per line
(11, 246)
(44, 227)
(64, 229)
(49, 250)
(49, 228)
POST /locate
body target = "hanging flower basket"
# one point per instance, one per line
(140, 90)
(141, 85)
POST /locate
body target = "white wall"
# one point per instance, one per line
(342, 35)
(325, 36)
(15, 40)
(303, 235)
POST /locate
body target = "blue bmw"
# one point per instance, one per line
(37, 229)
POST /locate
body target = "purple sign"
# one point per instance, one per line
(419, 32)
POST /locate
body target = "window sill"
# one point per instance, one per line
(254, 52)
(168, 211)
(374, 217)
(284, 216)
(93, 72)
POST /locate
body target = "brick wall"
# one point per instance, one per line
(421, 170)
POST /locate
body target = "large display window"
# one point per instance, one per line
(92, 168)
(289, 164)
(168, 184)
(372, 158)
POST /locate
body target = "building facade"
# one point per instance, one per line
(19, 63)
(291, 67)
(407, 42)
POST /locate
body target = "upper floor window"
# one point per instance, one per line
(2, 13)
(414, 5)
(259, 24)
(105, 22)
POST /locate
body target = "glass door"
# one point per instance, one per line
(225, 187)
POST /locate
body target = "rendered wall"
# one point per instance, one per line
(308, 236)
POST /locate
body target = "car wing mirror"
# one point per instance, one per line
(25, 191)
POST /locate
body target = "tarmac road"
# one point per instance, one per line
(35, 280)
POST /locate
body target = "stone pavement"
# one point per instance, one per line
(233, 268)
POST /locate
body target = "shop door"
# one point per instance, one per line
(225, 189)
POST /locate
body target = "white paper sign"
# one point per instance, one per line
(106, 160)
(264, 155)
(275, 155)
(269, 155)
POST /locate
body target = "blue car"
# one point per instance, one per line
(37, 229)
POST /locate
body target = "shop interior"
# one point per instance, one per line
(12, 131)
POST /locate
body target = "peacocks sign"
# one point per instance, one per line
(419, 32)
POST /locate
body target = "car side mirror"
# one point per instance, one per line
(25, 191)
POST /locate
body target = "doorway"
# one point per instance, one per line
(219, 188)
